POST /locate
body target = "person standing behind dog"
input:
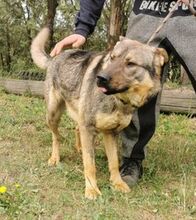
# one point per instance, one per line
(177, 36)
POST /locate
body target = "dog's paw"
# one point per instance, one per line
(121, 186)
(92, 193)
(53, 161)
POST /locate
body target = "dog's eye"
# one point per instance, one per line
(130, 64)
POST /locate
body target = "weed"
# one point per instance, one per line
(166, 191)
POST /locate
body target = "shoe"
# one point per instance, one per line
(131, 171)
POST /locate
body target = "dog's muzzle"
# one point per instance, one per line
(103, 82)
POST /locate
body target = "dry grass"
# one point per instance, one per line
(167, 190)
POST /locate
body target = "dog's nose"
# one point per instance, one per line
(102, 80)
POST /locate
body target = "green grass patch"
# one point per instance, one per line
(36, 191)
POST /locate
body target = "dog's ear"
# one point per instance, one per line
(163, 56)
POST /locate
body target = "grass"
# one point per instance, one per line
(36, 191)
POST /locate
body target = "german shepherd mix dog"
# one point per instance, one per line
(100, 92)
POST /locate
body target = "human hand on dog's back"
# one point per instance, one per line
(86, 20)
(73, 40)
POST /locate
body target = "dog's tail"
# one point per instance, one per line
(38, 53)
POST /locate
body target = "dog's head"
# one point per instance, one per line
(132, 66)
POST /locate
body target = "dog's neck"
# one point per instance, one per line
(123, 102)
(132, 98)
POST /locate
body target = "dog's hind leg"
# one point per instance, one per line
(110, 142)
(55, 108)
(87, 143)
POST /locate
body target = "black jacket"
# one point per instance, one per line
(87, 17)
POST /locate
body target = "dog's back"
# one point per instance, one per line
(65, 71)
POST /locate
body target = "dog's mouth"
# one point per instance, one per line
(106, 88)
(111, 91)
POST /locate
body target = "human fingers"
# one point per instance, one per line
(74, 40)
(66, 42)
(80, 40)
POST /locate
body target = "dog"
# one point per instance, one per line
(100, 91)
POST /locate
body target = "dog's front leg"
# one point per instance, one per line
(110, 142)
(87, 142)
(78, 141)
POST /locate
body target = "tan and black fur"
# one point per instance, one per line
(100, 92)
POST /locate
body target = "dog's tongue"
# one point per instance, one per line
(102, 89)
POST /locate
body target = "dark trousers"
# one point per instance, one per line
(177, 37)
